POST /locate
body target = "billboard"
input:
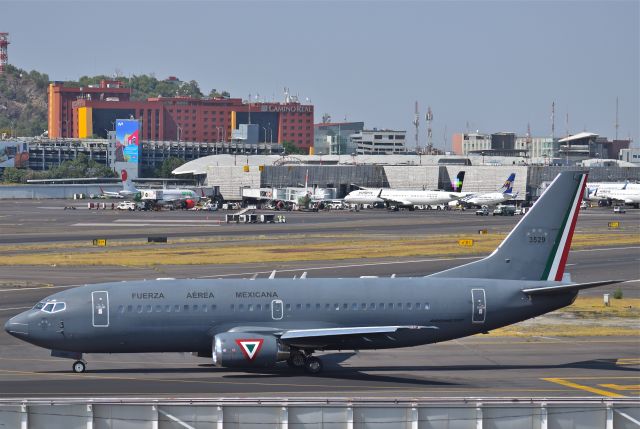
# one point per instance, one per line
(14, 154)
(127, 141)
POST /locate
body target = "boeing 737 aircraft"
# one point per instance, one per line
(492, 198)
(253, 324)
(407, 198)
(625, 194)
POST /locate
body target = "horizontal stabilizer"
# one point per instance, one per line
(550, 290)
(358, 330)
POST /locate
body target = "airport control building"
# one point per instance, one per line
(85, 112)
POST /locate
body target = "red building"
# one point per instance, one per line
(61, 123)
(177, 118)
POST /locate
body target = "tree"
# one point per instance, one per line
(190, 89)
(291, 149)
(168, 165)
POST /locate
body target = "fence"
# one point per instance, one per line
(450, 413)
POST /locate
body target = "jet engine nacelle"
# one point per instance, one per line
(242, 349)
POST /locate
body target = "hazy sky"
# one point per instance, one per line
(494, 65)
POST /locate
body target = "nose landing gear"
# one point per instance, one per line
(79, 366)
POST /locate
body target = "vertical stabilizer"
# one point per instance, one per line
(127, 184)
(459, 180)
(507, 188)
(538, 247)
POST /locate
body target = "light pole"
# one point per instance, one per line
(178, 133)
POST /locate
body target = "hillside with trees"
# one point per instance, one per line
(23, 102)
(23, 96)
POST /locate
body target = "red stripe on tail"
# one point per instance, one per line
(567, 244)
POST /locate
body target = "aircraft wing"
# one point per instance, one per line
(324, 336)
(395, 201)
(551, 290)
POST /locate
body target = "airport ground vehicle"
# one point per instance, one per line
(484, 211)
(126, 205)
(256, 324)
(501, 210)
(619, 209)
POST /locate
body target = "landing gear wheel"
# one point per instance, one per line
(79, 367)
(313, 365)
(296, 360)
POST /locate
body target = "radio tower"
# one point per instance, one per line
(553, 121)
(429, 118)
(416, 123)
(617, 124)
(4, 58)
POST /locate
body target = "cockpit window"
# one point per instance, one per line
(54, 307)
(38, 306)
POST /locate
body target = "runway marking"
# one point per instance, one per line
(13, 308)
(20, 289)
(168, 220)
(274, 393)
(628, 361)
(567, 383)
(114, 225)
(621, 387)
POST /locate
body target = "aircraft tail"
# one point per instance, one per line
(127, 184)
(457, 183)
(507, 188)
(538, 247)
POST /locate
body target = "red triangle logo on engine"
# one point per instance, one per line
(250, 347)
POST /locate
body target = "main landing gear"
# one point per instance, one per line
(79, 366)
(311, 364)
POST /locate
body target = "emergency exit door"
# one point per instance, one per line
(277, 311)
(100, 306)
(479, 305)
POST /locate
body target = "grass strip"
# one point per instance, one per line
(216, 253)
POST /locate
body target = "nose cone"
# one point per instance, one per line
(18, 326)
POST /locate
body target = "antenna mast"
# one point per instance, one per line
(553, 121)
(4, 57)
(416, 123)
(617, 124)
(429, 118)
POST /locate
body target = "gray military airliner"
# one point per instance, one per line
(257, 323)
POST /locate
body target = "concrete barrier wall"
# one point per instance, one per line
(53, 191)
(416, 413)
(412, 177)
(231, 179)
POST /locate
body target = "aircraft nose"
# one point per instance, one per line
(17, 326)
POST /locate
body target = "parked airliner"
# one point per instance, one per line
(505, 193)
(407, 198)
